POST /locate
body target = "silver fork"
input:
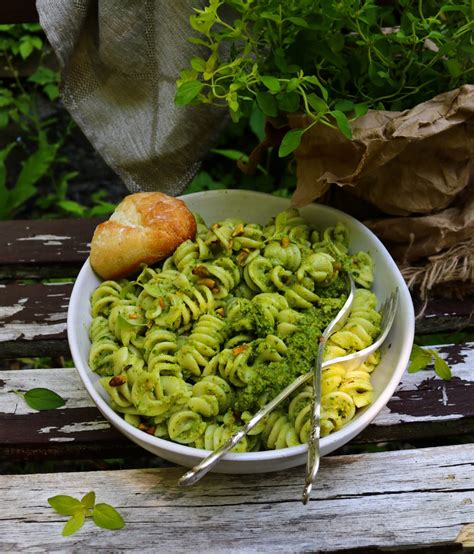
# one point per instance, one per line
(389, 309)
(312, 463)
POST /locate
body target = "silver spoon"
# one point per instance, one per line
(389, 309)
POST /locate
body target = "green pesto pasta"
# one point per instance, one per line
(190, 349)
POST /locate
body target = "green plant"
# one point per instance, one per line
(331, 60)
(103, 515)
(219, 170)
(30, 121)
(421, 358)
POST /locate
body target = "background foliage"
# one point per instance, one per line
(39, 174)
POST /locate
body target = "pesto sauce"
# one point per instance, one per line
(270, 378)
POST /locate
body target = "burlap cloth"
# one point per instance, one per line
(119, 63)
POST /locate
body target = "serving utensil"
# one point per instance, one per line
(389, 309)
(312, 463)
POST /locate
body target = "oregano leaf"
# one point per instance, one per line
(419, 359)
(272, 83)
(107, 517)
(288, 102)
(74, 524)
(267, 103)
(342, 123)
(298, 21)
(187, 92)
(290, 142)
(88, 500)
(442, 369)
(317, 103)
(360, 110)
(43, 399)
(65, 505)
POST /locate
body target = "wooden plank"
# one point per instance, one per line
(33, 319)
(443, 314)
(401, 500)
(44, 248)
(18, 11)
(423, 406)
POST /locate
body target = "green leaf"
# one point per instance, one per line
(267, 103)
(454, 68)
(74, 524)
(442, 369)
(288, 102)
(3, 118)
(65, 505)
(317, 103)
(298, 21)
(107, 517)
(290, 142)
(231, 154)
(419, 359)
(342, 123)
(292, 84)
(88, 500)
(72, 207)
(25, 49)
(187, 92)
(199, 64)
(257, 123)
(272, 83)
(43, 399)
(271, 16)
(360, 110)
(344, 105)
(52, 91)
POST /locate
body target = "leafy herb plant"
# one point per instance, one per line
(103, 515)
(331, 60)
(421, 358)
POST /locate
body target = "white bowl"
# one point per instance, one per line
(259, 208)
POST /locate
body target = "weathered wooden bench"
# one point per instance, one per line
(414, 490)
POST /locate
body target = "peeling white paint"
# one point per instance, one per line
(52, 243)
(444, 400)
(56, 317)
(8, 311)
(62, 439)
(85, 426)
(45, 237)
(30, 331)
(76, 428)
(23, 300)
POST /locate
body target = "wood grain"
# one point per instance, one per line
(391, 500)
(44, 248)
(423, 406)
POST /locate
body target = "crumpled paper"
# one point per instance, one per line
(408, 162)
(409, 170)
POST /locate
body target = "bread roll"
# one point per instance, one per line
(145, 228)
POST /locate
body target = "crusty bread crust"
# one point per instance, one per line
(145, 228)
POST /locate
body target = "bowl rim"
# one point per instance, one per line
(342, 436)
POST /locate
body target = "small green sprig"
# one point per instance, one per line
(103, 515)
(421, 358)
(331, 60)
